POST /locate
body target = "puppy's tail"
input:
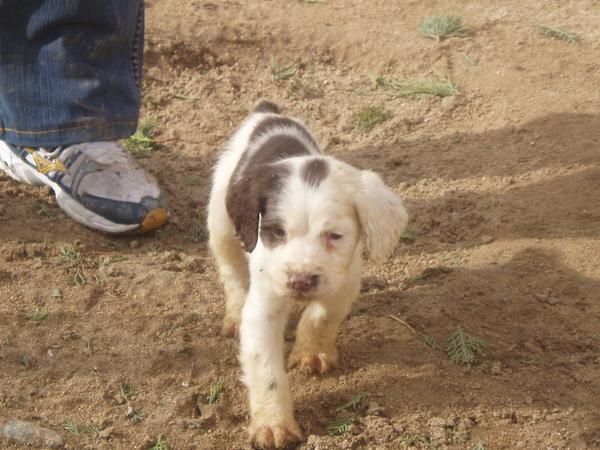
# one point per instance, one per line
(264, 105)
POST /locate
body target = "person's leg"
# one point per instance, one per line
(70, 74)
(69, 71)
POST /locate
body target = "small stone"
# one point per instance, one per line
(134, 244)
(46, 191)
(496, 368)
(31, 434)
(56, 293)
(374, 408)
(106, 433)
(486, 239)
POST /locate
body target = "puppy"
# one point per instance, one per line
(286, 224)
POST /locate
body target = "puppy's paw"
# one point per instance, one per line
(275, 436)
(313, 363)
(231, 327)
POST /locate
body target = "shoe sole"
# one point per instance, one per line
(153, 220)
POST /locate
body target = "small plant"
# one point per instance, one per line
(26, 360)
(429, 341)
(368, 118)
(38, 316)
(215, 392)
(281, 73)
(197, 232)
(340, 426)
(125, 390)
(558, 33)
(116, 258)
(161, 444)
(143, 140)
(135, 415)
(357, 402)
(44, 210)
(470, 59)
(78, 430)
(416, 88)
(479, 446)
(343, 422)
(70, 254)
(442, 27)
(79, 278)
(463, 348)
(409, 235)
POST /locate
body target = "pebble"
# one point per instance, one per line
(496, 368)
(487, 239)
(134, 244)
(56, 293)
(31, 434)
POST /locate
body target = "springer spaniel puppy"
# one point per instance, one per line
(286, 224)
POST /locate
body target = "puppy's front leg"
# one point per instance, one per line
(272, 423)
(315, 350)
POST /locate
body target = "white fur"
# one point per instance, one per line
(348, 202)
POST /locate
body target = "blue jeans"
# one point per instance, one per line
(70, 70)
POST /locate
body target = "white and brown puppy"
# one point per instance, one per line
(286, 224)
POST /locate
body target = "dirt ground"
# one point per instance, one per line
(115, 343)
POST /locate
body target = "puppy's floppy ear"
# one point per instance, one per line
(243, 206)
(382, 216)
(249, 196)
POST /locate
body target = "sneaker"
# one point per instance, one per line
(98, 184)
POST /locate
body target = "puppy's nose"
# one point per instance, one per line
(302, 282)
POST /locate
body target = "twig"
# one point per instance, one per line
(397, 319)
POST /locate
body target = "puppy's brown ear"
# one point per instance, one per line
(381, 214)
(242, 203)
(249, 196)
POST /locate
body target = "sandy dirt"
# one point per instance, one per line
(115, 343)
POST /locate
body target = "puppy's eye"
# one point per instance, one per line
(276, 232)
(334, 236)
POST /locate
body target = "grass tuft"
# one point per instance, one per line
(70, 254)
(359, 401)
(558, 33)
(161, 444)
(340, 426)
(78, 430)
(442, 27)
(281, 73)
(463, 348)
(368, 118)
(215, 392)
(143, 140)
(416, 87)
(343, 422)
(197, 232)
(408, 235)
(38, 316)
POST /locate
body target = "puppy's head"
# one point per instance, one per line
(309, 218)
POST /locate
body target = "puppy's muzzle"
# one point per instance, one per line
(302, 282)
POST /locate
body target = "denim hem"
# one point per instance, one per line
(90, 132)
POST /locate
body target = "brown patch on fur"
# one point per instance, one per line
(270, 123)
(250, 195)
(314, 171)
(264, 105)
(259, 175)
